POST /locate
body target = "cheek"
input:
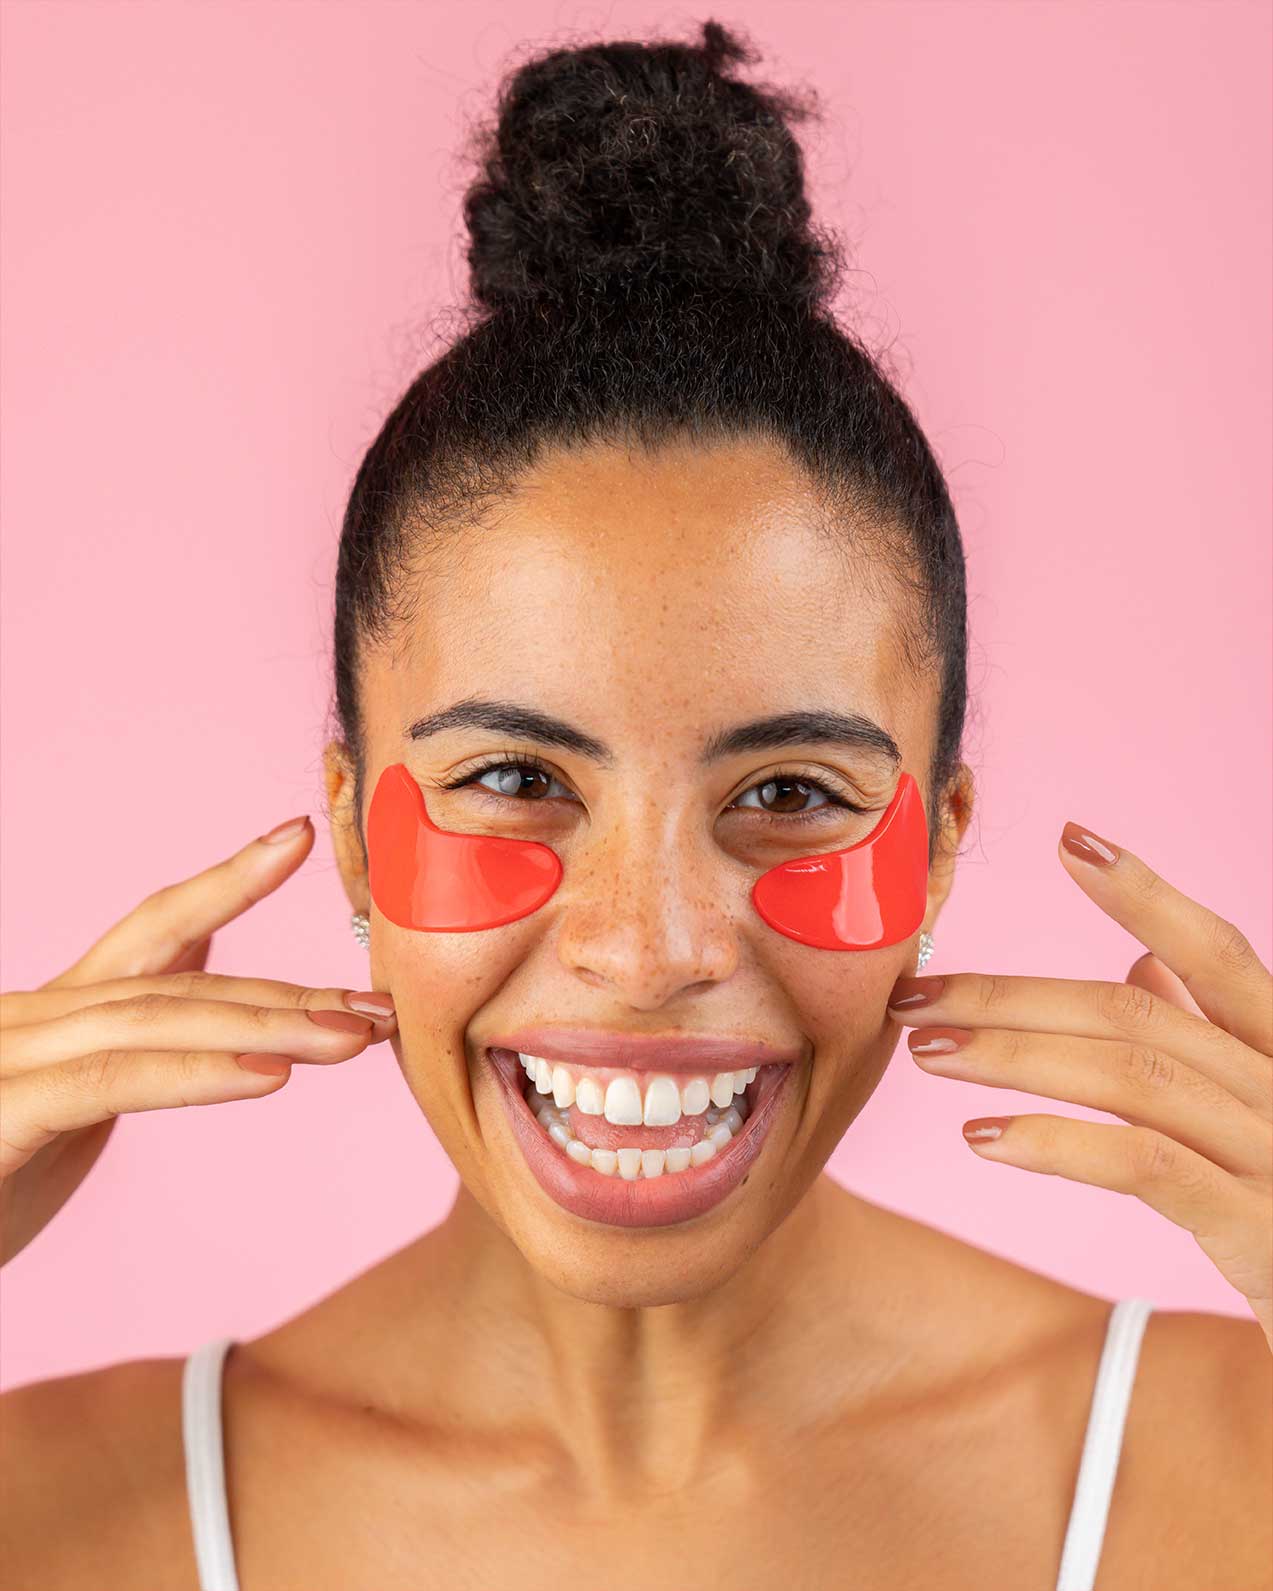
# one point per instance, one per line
(439, 982)
(839, 999)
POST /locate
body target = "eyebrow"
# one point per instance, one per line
(819, 726)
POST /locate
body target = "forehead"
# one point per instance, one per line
(653, 593)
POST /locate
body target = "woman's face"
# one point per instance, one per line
(652, 601)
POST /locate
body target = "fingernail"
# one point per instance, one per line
(985, 1128)
(267, 1065)
(285, 831)
(341, 1021)
(376, 1005)
(926, 1042)
(1088, 847)
(910, 992)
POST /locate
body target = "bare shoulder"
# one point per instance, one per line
(1191, 1500)
(92, 1481)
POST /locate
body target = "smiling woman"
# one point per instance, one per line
(646, 786)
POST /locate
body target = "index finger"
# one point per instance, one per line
(166, 924)
(1210, 955)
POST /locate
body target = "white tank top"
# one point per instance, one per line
(210, 1519)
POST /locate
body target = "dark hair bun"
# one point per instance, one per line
(617, 168)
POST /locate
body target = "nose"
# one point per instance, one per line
(647, 914)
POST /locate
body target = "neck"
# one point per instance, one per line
(645, 1396)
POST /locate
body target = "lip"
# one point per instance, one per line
(644, 1052)
(655, 1201)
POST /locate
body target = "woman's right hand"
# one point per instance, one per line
(137, 1024)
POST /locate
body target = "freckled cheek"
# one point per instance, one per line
(439, 983)
(839, 1001)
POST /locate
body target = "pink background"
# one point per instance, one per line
(231, 231)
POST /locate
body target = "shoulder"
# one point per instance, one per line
(92, 1478)
(1196, 1470)
(1206, 1382)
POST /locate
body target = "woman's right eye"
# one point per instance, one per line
(517, 780)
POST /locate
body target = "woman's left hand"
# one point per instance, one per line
(1193, 1077)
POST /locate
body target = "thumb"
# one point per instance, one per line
(1147, 972)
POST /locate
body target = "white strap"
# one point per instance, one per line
(1102, 1444)
(205, 1466)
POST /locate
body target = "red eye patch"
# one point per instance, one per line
(864, 897)
(869, 895)
(421, 876)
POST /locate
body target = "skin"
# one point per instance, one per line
(798, 1379)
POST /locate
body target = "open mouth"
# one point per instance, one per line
(641, 1174)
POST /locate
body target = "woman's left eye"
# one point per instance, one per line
(784, 788)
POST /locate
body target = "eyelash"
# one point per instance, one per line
(530, 760)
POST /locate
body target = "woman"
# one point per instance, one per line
(650, 625)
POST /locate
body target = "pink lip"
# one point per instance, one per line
(656, 1201)
(644, 1052)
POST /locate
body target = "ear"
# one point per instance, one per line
(955, 813)
(342, 812)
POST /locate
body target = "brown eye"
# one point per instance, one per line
(783, 796)
(518, 780)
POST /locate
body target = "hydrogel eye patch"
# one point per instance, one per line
(421, 876)
(864, 897)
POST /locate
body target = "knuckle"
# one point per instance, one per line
(1147, 886)
(1230, 946)
(145, 1010)
(1013, 1044)
(189, 985)
(186, 1067)
(1153, 1156)
(319, 999)
(263, 1018)
(993, 992)
(1147, 1069)
(1127, 1006)
(93, 1073)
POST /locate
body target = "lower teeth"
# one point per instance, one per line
(631, 1163)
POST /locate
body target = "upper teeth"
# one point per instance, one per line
(620, 1101)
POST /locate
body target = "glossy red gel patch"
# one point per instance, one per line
(421, 876)
(869, 895)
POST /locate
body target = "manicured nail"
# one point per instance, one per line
(377, 1005)
(1088, 847)
(341, 1021)
(985, 1128)
(926, 1042)
(910, 992)
(267, 1065)
(285, 831)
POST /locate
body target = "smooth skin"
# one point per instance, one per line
(800, 1388)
